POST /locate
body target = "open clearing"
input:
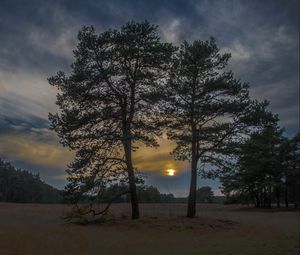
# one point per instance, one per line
(27, 229)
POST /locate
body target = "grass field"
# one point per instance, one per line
(37, 229)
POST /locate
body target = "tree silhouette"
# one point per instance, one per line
(258, 168)
(20, 186)
(107, 104)
(267, 169)
(289, 156)
(207, 108)
(205, 195)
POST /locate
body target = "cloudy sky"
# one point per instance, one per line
(37, 39)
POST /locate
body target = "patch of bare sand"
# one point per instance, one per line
(37, 229)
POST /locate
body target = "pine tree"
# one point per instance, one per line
(207, 108)
(107, 105)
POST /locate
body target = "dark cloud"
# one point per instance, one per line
(37, 39)
(11, 125)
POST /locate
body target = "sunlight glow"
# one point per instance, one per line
(170, 172)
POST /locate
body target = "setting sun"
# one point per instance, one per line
(170, 172)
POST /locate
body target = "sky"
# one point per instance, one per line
(37, 39)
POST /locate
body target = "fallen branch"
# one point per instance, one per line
(78, 212)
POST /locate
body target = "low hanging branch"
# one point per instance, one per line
(102, 212)
(78, 212)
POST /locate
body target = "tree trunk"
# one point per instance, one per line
(286, 195)
(253, 198)
(297, 192)
(278, 196)
(191, 212)
(261, 198)
(131, 179)
(269, 196)
(257, 200)
(265, 197)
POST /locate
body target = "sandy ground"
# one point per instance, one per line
(38, 229)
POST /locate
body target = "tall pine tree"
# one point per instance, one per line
(207, 108)
(107, 104)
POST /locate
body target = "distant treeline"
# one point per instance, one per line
(21, 186)
(150, 194)
(146, 194)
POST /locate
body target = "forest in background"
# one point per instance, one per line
(21, 186)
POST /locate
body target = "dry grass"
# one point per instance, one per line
(37, 229)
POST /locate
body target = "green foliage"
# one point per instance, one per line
(21, 186)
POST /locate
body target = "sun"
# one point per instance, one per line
(170, 172)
